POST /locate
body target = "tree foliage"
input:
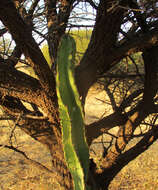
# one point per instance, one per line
(121, 56)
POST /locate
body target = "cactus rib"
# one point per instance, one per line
(71, 115)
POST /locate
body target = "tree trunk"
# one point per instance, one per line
(43, 131)
(115, 160)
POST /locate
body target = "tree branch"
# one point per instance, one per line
(149, 138)
(117, 118)
(19, 85)
(103, 39)
(92, 59)
(32, 8)
(3, 31)
(92, 4)
(24, 39)
(125, 133)
(15, 56)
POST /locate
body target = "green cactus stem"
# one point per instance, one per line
(71, 115)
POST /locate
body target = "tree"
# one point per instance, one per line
(121, 29)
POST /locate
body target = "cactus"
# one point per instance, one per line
(76, 150)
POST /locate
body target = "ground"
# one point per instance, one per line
(16, 173)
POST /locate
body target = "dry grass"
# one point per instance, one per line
(16, 174)
(140, 174)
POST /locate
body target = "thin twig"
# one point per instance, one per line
(13, 129)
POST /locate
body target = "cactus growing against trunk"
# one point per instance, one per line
(71, 115)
